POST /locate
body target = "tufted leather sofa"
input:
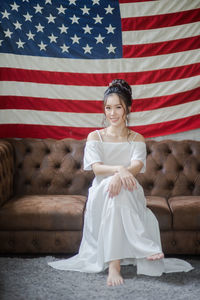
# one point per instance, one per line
(43, 191)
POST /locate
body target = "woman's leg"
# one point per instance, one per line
(114, 276)
(155, 256)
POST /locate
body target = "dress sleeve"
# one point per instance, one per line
(139, 153)
(92, 154)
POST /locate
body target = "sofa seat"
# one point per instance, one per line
(186, 212)
(161, 210)
(43, 212)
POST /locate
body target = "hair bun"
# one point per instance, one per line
(122, 85)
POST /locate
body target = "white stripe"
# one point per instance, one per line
(52, 91)
(95, 120)
(165, 88)
(185, 135)
(160, 34)
(165, 114)
(100, 66)
(151, 8)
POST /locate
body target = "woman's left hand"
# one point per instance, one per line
(127, 178)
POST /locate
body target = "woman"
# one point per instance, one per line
(118, 227)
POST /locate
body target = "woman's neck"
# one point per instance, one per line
(116, 133)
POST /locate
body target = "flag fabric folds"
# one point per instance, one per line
(58, 57)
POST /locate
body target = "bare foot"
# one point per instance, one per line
(114, 276)
(155, 256)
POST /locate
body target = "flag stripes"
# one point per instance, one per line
(44, 96)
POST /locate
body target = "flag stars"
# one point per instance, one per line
(17, 25)
(72, 2)
(39, 28)
(99, 39)
(28, 17)
(87, 29)
(98, 19)
(87, 49)
(30, 35)
(109, 9)
(95, 2)
(5, 14)
(50, 18)
(61, 9)
(1, 42)
(75, 39)
(110, 29)
(8, 33)
(63, 29)
(38, 9)
(20, 44)
(52, 38)
(111, 49)
(14, 6)
(48, 2)
(42, 46)
(74, 19)
(64, 48)
(85, 10)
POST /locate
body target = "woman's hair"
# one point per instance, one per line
(123, 90)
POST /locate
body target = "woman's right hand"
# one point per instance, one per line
(115, 185)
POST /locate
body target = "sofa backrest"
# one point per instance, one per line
(50, 167)
(55, 167)
(173, 168)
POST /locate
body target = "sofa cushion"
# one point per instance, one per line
(186, 212)
(43, 212)
(160, 208)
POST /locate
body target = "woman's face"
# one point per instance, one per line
(115, 110)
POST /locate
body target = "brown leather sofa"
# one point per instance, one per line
(43, 191)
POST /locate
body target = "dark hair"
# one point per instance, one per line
(122, 89)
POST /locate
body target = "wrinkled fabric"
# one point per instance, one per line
(121, 227)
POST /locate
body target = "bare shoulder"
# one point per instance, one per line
(93, 136)
(138, 138)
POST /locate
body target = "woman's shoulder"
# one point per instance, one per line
(93, 136)
(135, 136)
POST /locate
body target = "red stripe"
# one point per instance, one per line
(160, 21)
(144, 50)
(170, 127)
(60, 132)
(136, 78)
(76, 106)
(93, 106)
(166, 101)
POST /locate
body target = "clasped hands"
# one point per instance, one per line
(121, 178)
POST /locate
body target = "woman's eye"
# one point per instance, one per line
(119, 107)
(107, 108)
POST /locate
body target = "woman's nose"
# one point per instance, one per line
(112, 112)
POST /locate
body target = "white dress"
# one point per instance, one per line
(121, 227)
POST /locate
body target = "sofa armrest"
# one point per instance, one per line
(6, 171)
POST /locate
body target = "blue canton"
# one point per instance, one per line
(84, 29)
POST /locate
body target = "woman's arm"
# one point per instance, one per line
(106, 170)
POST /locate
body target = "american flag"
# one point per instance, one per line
(58, 57)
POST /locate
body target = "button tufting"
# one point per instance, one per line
(57, 165)
(11, 243)
(67, 150)
(47, 150)
(173, 243)
(28, 150)
(57, 242)
(35, 242)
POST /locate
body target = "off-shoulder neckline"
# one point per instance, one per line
(102, 142)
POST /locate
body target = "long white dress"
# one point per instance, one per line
(121, 227)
